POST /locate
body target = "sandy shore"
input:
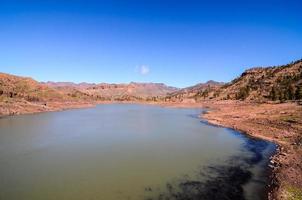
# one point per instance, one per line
(279, 123)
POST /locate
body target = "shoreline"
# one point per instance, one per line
(261, 121)
(266, 122)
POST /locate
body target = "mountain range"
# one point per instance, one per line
(276, 83)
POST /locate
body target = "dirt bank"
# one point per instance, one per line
(24, 107)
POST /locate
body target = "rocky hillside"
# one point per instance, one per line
(278, 83)
(82, 85)
(200, 91)
(21, 88)
(118, 92)
(25, 95)
(131, 91)
(15, 87)
(270, 83)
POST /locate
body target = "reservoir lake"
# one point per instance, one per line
(128, 151)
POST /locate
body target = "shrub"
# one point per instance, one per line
(243, 93)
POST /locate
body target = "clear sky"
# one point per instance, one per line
(179, 43)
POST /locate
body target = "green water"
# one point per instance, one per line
(109, 152)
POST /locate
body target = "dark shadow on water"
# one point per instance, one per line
(256, 147)
(205, 122)
(219, 182)
(222, 183)
(195, 116)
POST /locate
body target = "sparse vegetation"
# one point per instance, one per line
(278, 83)
(293, 193)
(298, 92)
(243, 93)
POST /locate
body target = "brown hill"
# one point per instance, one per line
(131, 91)
(106, 91)
(270, 83)
(199, 91)
(82, 85)
(25, 95)
(278, 83)
(16, 87)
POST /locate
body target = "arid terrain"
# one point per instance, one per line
(22, 95)
(262, 102)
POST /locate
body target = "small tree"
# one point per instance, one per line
(243, 93)
(205, 93)
(291, 92)
(282, 96)
(273, 94)
(298, 93)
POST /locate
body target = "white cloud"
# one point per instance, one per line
(143, 69)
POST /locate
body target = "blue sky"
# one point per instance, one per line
(179, 43)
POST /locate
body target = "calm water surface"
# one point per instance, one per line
(122, 151)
